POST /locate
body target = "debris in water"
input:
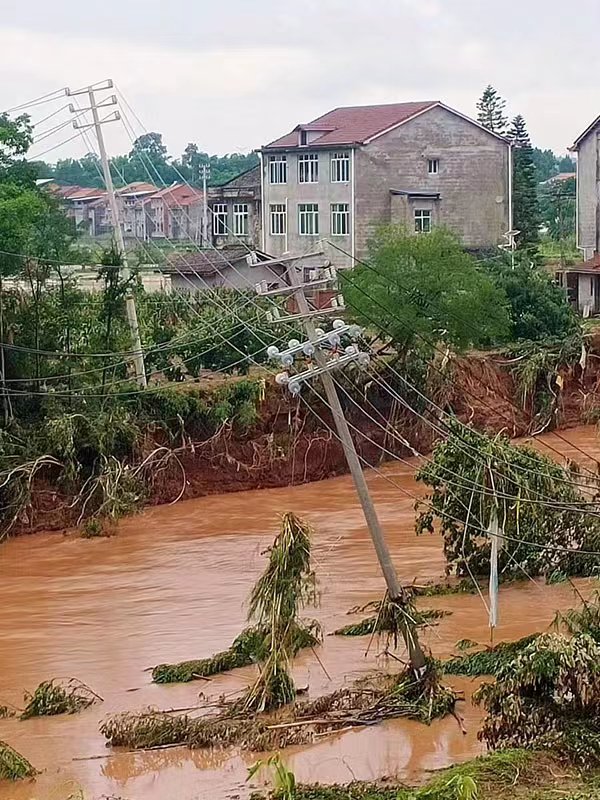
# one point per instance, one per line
(369, 701)
(14, 766)
(247, 648)
(382, 620)
(58, 697)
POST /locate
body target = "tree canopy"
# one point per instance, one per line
(426, 286)
(149, 160)
(491, 111)
(537, 307)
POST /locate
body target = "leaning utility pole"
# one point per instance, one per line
(137, 352)
(205, 175)
(313, 348)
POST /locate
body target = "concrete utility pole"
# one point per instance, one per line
(130, 309)
(395, 591)
(205, 176)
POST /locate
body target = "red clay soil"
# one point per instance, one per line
(290, 444)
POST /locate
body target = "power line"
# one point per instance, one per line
(44, 98)
(442, 352)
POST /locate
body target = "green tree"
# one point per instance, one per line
(546, 164)
(557, 208)
(566, 164)
(16, 136)
(491, 111)
(538, 308)
(526, 216)
(426, 286)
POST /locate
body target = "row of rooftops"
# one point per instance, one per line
(174, 195)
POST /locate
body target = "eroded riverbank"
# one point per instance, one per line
(171, 586)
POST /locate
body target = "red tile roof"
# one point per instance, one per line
(138, 187)
(176, 195)
(354, 124)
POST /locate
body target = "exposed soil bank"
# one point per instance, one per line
(293, 441)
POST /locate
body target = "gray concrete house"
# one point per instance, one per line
(587, 147)
(236, 210)
(417, 164)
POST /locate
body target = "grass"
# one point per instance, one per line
(58, 697)
(515, 774)
(14, 766)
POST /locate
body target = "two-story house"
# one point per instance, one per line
(420, 164)
(236, 210)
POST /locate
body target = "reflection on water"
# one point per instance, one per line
(172, 586)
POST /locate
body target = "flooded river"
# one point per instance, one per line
(172, 586)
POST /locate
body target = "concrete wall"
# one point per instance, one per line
(292, 193)
(587, 194)
(253, 239)
(472, 180)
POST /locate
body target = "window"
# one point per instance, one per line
(422, 220)
(340, 219)
(303, 137)
(308, 219)
(433, 166)
(278, 169)
(308, 168)
(240, 219)
(340, 167)
(220, 219)
(278, 215)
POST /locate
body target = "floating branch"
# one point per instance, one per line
(58, 697)
(14, 766)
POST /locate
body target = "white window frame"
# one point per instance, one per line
(241, 216)
(278, 169)
(220, 226)
(277, 219)
(308, 219)
(340, 167)
(433, 166)
(308, 168)
(423, 220)
(340, 219)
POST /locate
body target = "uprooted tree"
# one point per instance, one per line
(540, 507)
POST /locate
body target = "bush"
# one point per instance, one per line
(537, 307)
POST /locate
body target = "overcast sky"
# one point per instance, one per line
(233, 75)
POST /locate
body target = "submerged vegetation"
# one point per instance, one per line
(58, 697)
(547, 697)
(474, 480)
(382, 620)
(278, 634)
(489, 661)
(14, 766)
(247, 648)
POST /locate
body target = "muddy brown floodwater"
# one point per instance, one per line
(172, 585)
